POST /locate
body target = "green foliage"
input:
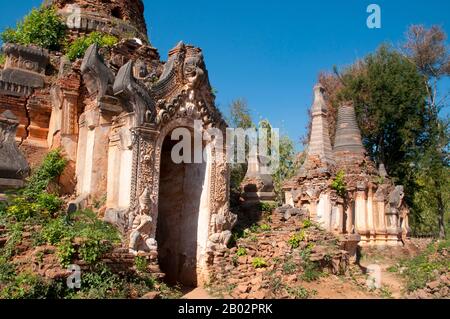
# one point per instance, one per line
(7, 270)
(265, 227)
(42, 27)
(311, 272)
(2, 59)
(396, 104)
(92, 249)
(424, 268)
(287, 166)
(54, 231)
(22, 209)
(259, 262)
(141, 263)
(295, 240)
(241, 252)
(338, 184)
(266, 207)
(289, 267)
(307, 223)
(65, 252)
(25, 286)
(51, 167)
(15, 237)
(300, 292)
(78, 48)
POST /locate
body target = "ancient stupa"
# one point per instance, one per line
(371, 209)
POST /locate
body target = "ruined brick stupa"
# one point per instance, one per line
(112, 113)
(369, 205)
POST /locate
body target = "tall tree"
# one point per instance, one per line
(428, 50)
(239, 117)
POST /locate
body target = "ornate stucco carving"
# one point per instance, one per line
(134, 95)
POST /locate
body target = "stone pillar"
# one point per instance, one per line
(324, 211)
(380, 226)
(370, 215)
(361, 211)
(350, 218)
(338, 212)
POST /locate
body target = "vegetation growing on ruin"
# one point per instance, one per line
(2, 59)
(35, 219)
(78, 48)
(398, 106)
(427, 266)
(42, 27)
(338, 184)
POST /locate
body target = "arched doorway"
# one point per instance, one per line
(182, 209)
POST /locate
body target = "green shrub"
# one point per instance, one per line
(55, 231)
(311, 272)
(267, 207)
(78, 48)
(65, 252)
(307, 223)
(49, 204)
(25, 286)
(241, 252)
(254, 228)
(7, 270)
(42, 27)
(15, 231)
(422, 269)
(2, 59)
(258, 262)
(51, 167)
(22, 209)
(338, 184)
(296, 239)
(141, 264)
(265, 227)
(289, 267)
(300, 292)
(91, 250)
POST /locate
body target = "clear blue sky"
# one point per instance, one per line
(270, 52)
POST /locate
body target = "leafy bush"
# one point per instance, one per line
(91, 250)
(2, 59)
(311, 272)
(25, 286)
(307, 223)
(42, 27)
(55, 231)
(265, 227)
(338, 184)
(22, 209)
(296, 239)
(65, 252)
(289, 267)
(78, 48)
(266, 207)
(141, 263)
(300, 292)
(258, 262)
(422, 269)
(51, 167)
(241, 252)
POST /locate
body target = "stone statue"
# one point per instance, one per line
(142, 225)
(221, 224)
(394, 204)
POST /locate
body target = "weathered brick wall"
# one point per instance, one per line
(131, 11)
